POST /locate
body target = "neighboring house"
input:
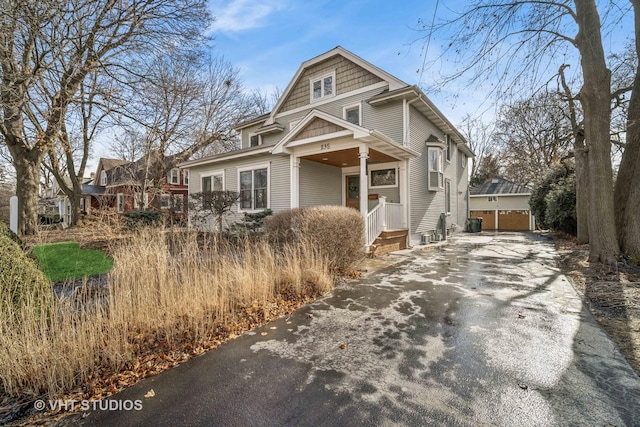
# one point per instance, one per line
(120, 187)
(345, 132)
(502, 205)
(90, 196)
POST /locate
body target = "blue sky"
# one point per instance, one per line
(268, 42)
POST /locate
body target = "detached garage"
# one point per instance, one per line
(502, 205)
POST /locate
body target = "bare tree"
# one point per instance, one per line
(488, 168)
(514, 43)
(480, 138)
(532, 135)
(49, 47)
(574, 115)
(67, 159)
(627, 194)
(188, 108)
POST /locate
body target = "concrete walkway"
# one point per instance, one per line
(483, 331)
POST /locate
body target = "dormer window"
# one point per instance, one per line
(323, 86)
(255, 140)
(103, 178)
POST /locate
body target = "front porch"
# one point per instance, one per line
(340, 163)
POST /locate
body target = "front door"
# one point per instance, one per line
(353, 191)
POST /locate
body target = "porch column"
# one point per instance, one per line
(404, 192)
(364, 190)
(295, 182)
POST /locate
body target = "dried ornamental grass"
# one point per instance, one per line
(165, 295)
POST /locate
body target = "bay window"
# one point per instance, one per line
(436, 169)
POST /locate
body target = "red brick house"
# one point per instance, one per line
(118, 185)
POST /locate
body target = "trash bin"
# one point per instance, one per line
(475, 225)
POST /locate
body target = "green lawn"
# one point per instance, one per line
(66, 260)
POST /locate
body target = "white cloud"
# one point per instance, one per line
(240, 15)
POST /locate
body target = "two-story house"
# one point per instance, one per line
(123, 190)
(345, 132)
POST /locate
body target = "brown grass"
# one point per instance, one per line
(160, 296)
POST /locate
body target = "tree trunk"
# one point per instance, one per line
(595, 97)
(582, 165)
(27, 190)
(627, 194)
(582, 192)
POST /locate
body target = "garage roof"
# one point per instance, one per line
(499, 186)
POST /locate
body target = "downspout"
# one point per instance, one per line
(407, 136)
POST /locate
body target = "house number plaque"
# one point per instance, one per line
(326, 146)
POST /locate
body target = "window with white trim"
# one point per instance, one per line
(323, 86)
(449, 146)
(213, 182)
(253, 186)
(463, 160)
(120, 202)
(255, 140)
(436, 169)
(103, 178)
(173, 177)
(185, 177)
(447, 195)
(165, 201)
(352, 114)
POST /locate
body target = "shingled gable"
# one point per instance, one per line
(306, 70)
(300, 135)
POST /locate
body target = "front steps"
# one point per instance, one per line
(389, 241)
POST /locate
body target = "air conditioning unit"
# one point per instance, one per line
(424, 239)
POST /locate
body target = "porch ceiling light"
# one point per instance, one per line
(325, 158)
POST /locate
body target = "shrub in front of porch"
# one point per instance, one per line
(336, 231)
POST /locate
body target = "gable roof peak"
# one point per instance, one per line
(394, 82)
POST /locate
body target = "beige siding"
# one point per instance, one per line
(318, 127)
(349, 76)
(386, 118)
(463, 190)
(503, 202)
(382, 119)
(320, 184)
(279, 187)
(392, 195)
(426, 206)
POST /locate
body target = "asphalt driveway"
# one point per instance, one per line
(483, 331)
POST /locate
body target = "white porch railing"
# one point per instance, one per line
(384, 216)
(374, 224)
(395, 216)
